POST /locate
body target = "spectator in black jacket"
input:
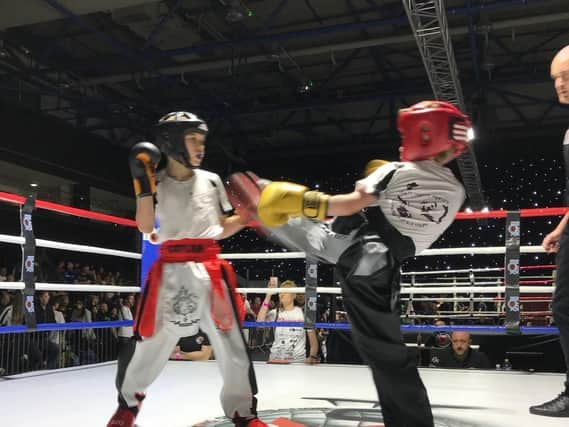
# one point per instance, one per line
(45, 314)
(44, 311)
(460, 354)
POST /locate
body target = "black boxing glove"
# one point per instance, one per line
(143, 160)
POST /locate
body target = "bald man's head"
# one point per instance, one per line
(560, 74)
(460, 344)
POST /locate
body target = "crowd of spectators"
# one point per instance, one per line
(58, 349)
(62, 348)
(67, 271)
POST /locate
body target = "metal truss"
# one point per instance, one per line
(430, 29)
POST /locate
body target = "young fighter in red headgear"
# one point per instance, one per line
(394, 213)
(189, 286)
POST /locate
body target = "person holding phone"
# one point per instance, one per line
(289, 345)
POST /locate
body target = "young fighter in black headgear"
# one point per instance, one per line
(189, 286)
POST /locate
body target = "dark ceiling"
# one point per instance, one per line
(284, 84)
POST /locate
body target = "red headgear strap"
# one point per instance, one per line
(431, 127)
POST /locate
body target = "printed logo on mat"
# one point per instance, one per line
(341, 412)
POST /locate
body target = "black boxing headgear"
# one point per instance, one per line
(171, 131)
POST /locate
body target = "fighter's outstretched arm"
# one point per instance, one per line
(349, 204)
(280, 201)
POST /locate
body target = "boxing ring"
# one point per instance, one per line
(186, 393)
(334, 395)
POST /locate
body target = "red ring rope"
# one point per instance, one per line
(56, 207)
(523, 213)
(83, 213)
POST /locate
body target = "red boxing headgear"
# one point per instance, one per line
(431, 127)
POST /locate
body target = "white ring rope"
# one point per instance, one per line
(454, 316)
(478, 290)
(266, 255)
(542, 277)
(473, 299)
(70, 287)
(497, 281)
(12, 286)
(73, 287)
(5, 238)
(319, 289)
(83, 248)
(465, 279)
(414, 289)
(407, 290)
(430, 272)
(491, 250)
(42, 286)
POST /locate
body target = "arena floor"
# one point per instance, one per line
(187, 393)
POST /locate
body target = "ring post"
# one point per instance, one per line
(512, 273)
(28, 260)
(311, 296)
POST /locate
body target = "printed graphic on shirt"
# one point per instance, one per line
(412, 185)
(286, 346)
(566, 139)
(412, 204)
(290, 342)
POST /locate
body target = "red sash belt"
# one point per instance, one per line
(204, 251)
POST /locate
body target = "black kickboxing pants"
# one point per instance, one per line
(560, 306)
(371, 299)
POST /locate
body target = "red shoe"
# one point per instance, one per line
(140, 397)
(252, 422)
(124, 417)
(256, 422)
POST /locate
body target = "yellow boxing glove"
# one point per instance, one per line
(372, 165)
(281, 200)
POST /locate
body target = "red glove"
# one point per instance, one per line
(244, 190)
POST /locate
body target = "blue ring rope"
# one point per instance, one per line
(474, 329)
(66, 326)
